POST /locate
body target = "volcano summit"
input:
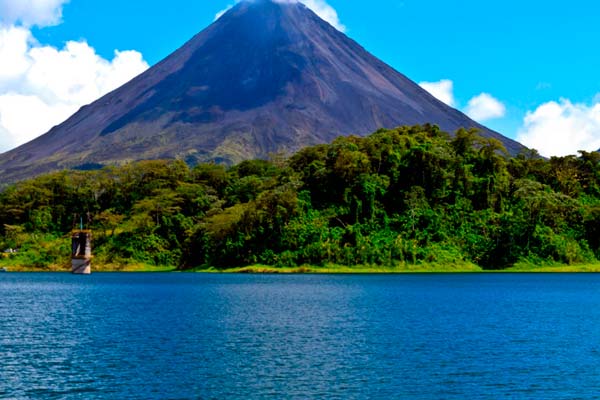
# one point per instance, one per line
(267, 76)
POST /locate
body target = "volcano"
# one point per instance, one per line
(266, 77)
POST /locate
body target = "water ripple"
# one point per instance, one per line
(180, 336)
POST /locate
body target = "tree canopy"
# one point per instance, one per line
(405, 196)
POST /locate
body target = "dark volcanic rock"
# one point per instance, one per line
(265, 77)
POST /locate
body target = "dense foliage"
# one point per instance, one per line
(405, 196)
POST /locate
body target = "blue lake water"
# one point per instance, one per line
(192, 336)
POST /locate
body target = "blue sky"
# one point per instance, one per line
(531, 69)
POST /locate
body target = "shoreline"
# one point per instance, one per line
(462, 268)
(414, 270)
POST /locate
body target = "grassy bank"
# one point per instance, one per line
(343, 269)
(423, 268)
(405, 269)
(95, 268)
(555, 268)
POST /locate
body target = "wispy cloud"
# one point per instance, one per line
(223, 11)
(320, 7)
(31, 12)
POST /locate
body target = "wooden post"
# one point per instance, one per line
(81, 254)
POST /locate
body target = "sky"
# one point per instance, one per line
(528, 69)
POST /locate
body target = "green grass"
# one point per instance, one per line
(96, 267)
(459, 267)
(343, 269)
(553, 267)
(406, 269)
(15, 267)
(134, 267)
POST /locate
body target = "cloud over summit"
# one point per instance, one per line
(319, 7)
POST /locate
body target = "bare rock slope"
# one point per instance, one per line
(265, 77)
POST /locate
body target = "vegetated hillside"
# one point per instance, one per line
(398, 197)
(266, 77)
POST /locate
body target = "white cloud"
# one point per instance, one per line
(562, 128)
(41, 86)
(442, 90)
(481, 108)
(22, 116)
(13, 50)
(31, 12)
(485, 107)
(325, 11)
(320, 7)
(554, 128)
(223, 11)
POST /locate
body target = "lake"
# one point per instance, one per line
(196, 336)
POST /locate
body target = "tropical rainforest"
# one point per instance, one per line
(397, 198)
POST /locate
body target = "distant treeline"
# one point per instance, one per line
(406, 196)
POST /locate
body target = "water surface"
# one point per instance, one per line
(194, 336)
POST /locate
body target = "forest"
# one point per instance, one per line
(411, 196)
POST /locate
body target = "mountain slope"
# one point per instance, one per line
(265, 77)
